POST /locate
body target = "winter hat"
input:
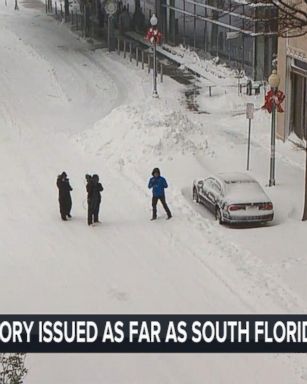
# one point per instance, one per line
(156, 170)
(64, 174)
(95, 177)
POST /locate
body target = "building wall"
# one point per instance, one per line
(281, 59)
(292, 68)
(204, 25)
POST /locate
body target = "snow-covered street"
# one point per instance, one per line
(66, 107)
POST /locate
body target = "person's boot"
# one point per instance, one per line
(153, 218)
(69, 215)
(169, 216)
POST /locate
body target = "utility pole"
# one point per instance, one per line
(66, 11)
(154, 36)
(274, 81)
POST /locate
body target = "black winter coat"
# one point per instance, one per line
(64, 188)
(94, 194)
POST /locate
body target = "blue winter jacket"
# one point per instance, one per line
(158, 184)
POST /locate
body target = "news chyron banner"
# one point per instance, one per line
(153, 333)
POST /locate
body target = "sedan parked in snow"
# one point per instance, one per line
(234, 198)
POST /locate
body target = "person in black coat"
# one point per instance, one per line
(94, 189)
(64, 195)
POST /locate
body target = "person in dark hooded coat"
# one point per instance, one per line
(64, 195)
(158, 184)
(94, 189)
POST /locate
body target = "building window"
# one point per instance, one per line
(298, 116)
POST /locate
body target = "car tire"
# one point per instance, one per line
(218, 215)
(195, 196)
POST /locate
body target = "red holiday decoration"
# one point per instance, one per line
(274, 98)
(153, 35)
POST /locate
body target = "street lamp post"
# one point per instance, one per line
(274, 81)
(154, 23)
(66, 11)
(110, 9)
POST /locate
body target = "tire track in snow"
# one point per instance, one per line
(112, 71)
(252, 267)
(137, 183)
(260, 284)
(29, 52)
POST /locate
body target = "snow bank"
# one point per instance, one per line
(131, 133)
(225, 100)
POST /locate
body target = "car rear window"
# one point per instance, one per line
(239, 187)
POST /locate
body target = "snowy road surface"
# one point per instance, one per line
(65, 107)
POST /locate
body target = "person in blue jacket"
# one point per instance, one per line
(158, 184)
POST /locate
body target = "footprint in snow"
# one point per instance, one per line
(118, 295)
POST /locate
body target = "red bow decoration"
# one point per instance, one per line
(153, 35)
(274, 98)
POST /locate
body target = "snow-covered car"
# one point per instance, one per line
(234, 198)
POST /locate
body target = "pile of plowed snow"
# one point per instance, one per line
(130, 133)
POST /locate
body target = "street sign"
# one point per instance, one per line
(250, 110)
(249, 115)
(111, 7)
(232, 35)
